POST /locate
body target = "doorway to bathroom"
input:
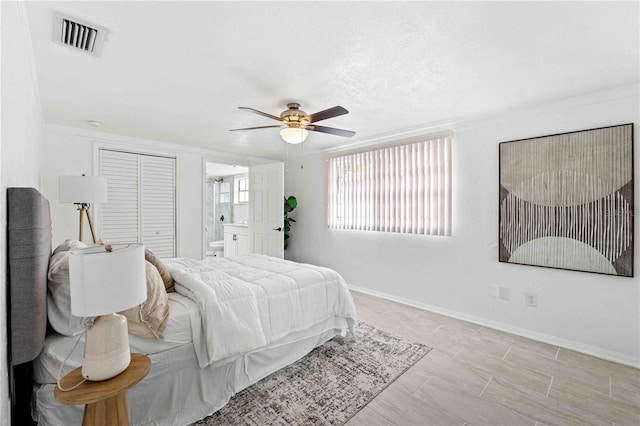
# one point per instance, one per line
(226, 203)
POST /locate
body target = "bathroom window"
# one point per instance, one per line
(241, 190)
(225, 192)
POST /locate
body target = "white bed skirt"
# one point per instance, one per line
(177, 392)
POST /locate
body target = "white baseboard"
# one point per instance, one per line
(617, 357)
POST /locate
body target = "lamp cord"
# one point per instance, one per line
(64, 362)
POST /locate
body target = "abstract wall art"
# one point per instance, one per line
(566, 201)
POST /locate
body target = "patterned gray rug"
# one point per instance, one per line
(326, 387)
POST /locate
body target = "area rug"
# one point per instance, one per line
(326, 387)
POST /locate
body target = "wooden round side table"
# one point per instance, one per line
(104, 402)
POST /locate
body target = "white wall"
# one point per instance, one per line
(20, 141)
(592, 313)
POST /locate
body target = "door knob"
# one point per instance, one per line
(277, 229)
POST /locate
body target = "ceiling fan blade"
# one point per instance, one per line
(254, 128)
(331, 130)
(327, 113)
(260, 113)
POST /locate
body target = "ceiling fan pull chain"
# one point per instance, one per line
(287, 164)
(301, 155)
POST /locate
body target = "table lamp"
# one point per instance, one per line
(105, 280)
(82, 191)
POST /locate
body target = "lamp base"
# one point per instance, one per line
(106, 348)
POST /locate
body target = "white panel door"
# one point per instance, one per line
(266, 209)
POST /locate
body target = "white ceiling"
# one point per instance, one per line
(222, 170)
(176, 71)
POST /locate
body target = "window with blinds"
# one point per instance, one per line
(141, 200)
(404, 188)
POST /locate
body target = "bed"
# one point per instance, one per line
(232, 322)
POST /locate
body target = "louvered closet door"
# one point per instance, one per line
(158, 205)
(120, 216)
(141, 200)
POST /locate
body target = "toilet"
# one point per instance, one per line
(217, 247)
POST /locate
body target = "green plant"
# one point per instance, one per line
(290, 203)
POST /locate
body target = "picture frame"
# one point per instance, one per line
(566, 201)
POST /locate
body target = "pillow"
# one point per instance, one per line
(164, 272)
(70, 244)
(59, 291)
(149, 319)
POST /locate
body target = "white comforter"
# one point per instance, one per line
(249, 302)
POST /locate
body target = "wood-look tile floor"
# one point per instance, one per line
(479, 376)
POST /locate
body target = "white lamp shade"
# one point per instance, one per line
(106, 282)
(294, 135)
(82, 189)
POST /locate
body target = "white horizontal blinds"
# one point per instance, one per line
(404, 188)
(119, 216)
(158, 205)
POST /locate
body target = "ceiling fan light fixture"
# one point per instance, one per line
(295, 124)
(294, 135)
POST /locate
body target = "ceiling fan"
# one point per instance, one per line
(296, 123)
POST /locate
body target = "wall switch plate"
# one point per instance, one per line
(531, 299)
(504, 293)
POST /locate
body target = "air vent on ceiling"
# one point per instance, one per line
(78, 35)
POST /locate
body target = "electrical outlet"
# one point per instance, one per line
(504, 293)
(531, 299)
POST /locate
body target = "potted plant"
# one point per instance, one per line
(290, 203)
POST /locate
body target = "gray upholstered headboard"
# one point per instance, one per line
(29, 249)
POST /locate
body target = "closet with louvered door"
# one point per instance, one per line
(158, 205)
(141, 200)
